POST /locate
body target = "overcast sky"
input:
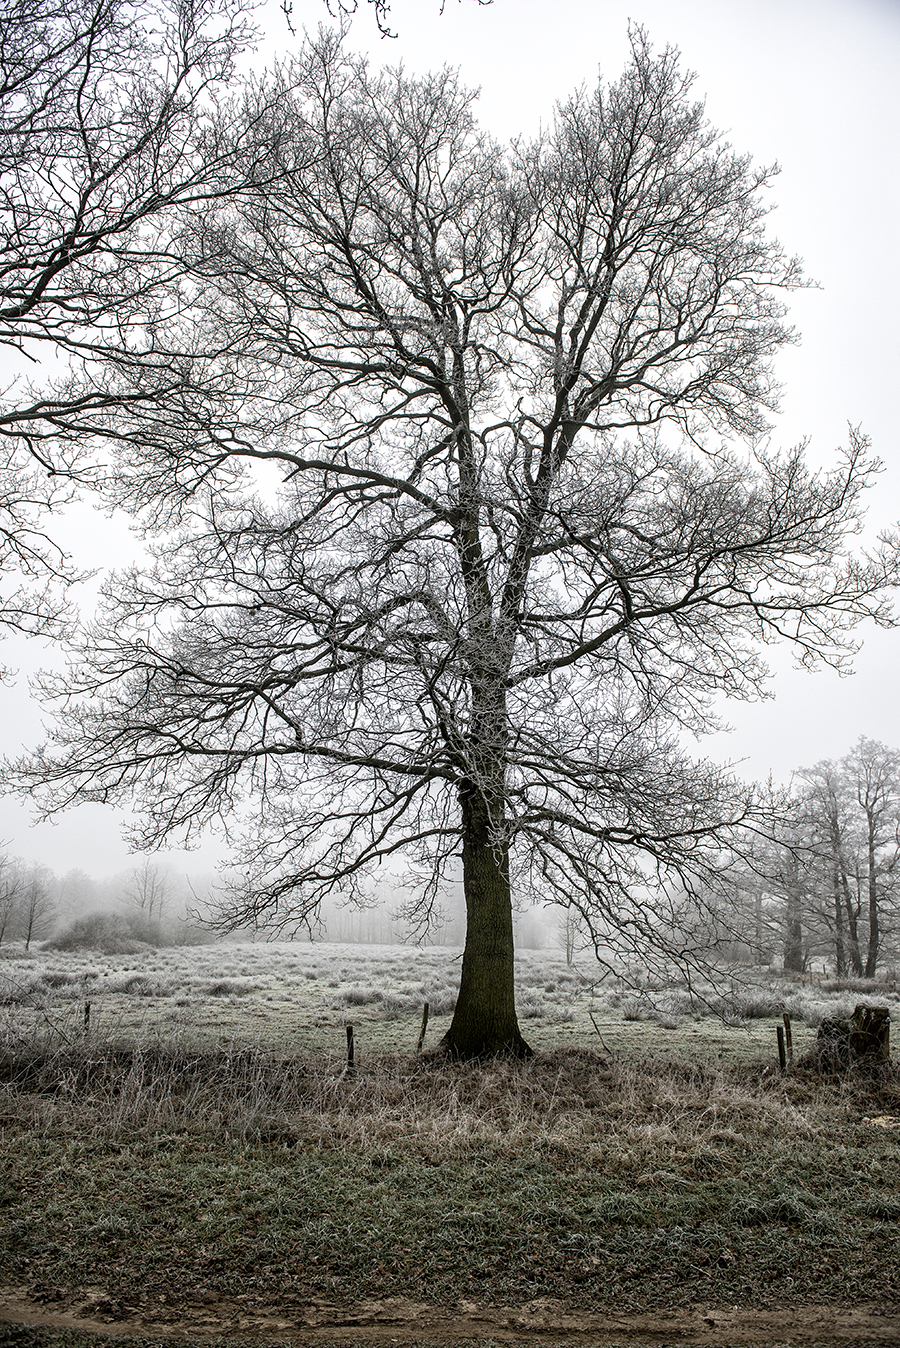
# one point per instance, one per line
(810, 83)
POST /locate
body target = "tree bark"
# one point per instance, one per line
(793, 936)
(838, 877)
(872, 948)
(852, 912)
(757, 917)
(840, 954)
(485, 1023)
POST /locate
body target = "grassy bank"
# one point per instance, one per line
(163, 1176)
(199, 1149)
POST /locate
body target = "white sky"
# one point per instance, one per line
(810, 83)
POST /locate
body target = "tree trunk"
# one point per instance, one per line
(484, 1023)
(840, 954)
(847, 953)
(852, 928)
(793, 936)
(872, 949)
(30, 915)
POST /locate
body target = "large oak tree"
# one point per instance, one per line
(529, 526)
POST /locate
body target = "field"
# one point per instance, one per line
(198, 1159)
(298, 997)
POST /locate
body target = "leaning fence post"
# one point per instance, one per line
(781, 1054)
(788, 1039)
(423, 1029)
(350, 1048)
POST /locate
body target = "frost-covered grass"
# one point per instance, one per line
(299, 996)
(281, 994)
(175, 1176)
(204, 1137)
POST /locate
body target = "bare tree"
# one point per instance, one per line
(37, 906)
(147, 893)
(794, 891)
(832, 859)
(78, 892)
(875, 772)
(345, 9)
(753, 923)
(569, 934)
(106, 121)
(850, 816)
(529, 526)
(11, 887)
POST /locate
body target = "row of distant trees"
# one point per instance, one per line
(147, 904)
(827, 889)
(28, 905)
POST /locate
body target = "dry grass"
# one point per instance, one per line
(573, 1176)
(566, 1100)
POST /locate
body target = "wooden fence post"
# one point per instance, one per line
(423, 1029)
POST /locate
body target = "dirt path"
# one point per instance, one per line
(402, 1321)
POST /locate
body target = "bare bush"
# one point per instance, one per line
(109, 932)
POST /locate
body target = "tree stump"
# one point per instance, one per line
(864, 1038)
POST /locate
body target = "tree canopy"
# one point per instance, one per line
(529, 526)
(105, 124)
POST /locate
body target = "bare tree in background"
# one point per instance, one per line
(832, 859)
(875, 772)
(147, 894)
(833, 869)
(529, 526)
(37, 906)
(105, 124)
(11, 886)
(854, 807)
(570, 934)
(78, 892)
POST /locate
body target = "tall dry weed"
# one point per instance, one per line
(570, 1100)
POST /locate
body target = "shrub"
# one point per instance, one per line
(870, 985)
(395, 1003)
(759, 1005)
(109, 933)
(357, 996)
(530, 1006)
(638, 1008)
(441, 1001)
(229, 987)
(62, 978)
(676, 1003)
(814, 1010)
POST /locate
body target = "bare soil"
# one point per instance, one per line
(402, 1321)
